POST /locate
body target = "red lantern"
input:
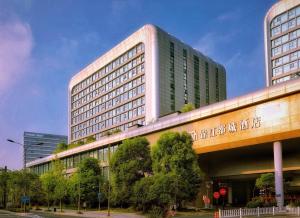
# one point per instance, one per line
(223, 191)
(216, 195)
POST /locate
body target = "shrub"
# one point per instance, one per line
(156, 212)
(255, 202)
(294, 203)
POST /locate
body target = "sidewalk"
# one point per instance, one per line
(92, 214)
(73, 213)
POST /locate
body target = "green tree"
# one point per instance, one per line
(23, 183)
(48, 185)
(35, 191)
(4, 176)
(90, 139)
(141, 198)
(174, 157)
(74, 189)
(79, 143)
(187, 107)
(157, 191)
(62, 146)
(89, 175)
(60, 189)
(73, 145)
(129, 164)
(265, 182)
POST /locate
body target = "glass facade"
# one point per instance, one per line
(285, 46)
(33, 151)
(70, 162)
(112, 98)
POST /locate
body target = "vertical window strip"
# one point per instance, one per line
(206, 84)
(196, 82)
(217, 85)
(172, 76)
(185, 76)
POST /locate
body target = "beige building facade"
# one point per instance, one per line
(148, 75)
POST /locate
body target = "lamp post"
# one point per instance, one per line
(24, 149)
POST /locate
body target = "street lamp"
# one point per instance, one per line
(12, 141)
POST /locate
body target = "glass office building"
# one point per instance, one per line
(39, 145)
(148, 75)
(282, 42)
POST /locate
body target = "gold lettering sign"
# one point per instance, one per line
(228, 128)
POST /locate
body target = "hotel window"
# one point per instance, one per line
(284, 27)
(275, 31)
(286, 68)
(285, 59)
(292, 13)
(293, 65)
(294, 56)
(276, 51)
(277, 71)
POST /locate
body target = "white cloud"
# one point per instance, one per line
(210, 42)
(16, 44)
(229, 16)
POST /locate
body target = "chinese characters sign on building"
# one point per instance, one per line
(227, 128)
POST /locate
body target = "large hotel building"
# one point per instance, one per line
(282, 42)
(236, 140)
(148, 75)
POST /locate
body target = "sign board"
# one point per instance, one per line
(99, 195)
(25, 199)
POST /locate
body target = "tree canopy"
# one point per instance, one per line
(265, 182)
(89, 175)
(129, 163)
(176, 175)
(174, 154)
(62, 146)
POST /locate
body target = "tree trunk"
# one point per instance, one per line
(48, 202)
(60, 205)
(78, 204)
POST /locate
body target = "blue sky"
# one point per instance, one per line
(44, 43)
